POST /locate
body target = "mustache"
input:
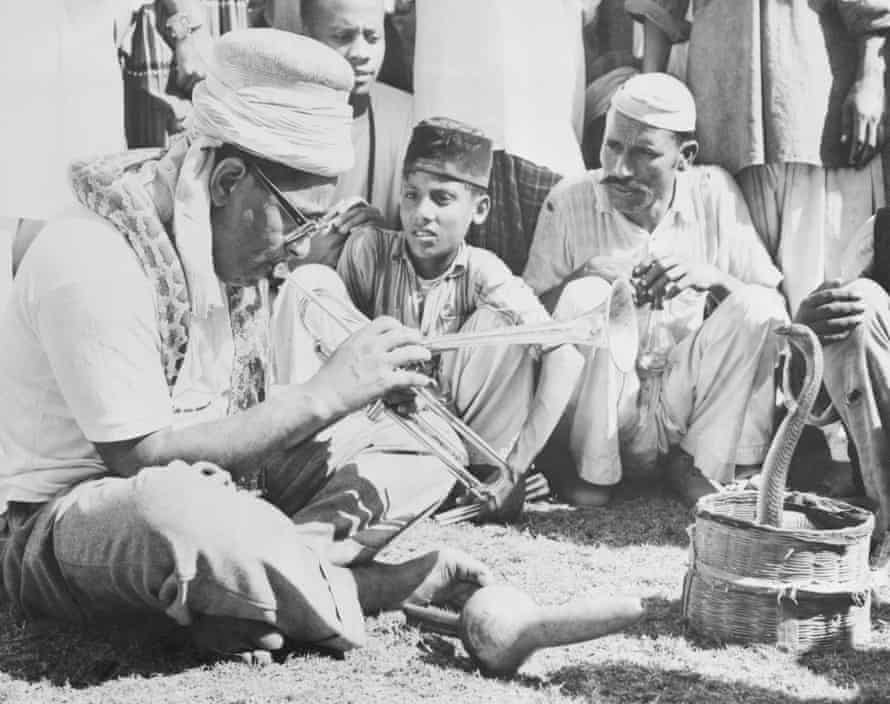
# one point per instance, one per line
(625, 182)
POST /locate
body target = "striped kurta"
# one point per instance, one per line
(381, 280)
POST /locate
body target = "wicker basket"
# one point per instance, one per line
(803, 586)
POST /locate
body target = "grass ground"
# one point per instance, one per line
(637, 545)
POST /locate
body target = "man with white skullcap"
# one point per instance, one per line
(136, 363)
(701, 400)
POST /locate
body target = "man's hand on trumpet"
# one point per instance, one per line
(372, 363)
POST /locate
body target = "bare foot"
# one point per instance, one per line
(237, 639)
(451, 579)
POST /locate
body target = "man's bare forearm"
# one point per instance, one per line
(872, 53)
(238, 443)
(656, 48)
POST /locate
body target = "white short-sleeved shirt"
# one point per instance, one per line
(81, 359)
(707, 222)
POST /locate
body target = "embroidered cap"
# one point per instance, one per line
(452, 149)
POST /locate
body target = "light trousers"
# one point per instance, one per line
(715, 398)
(857, 378)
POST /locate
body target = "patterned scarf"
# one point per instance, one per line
(134, 192)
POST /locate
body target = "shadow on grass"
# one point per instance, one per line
(865, 667)
(442, 653)
(619, 682)
(663, 617)
(640, 513)
(82, 657)
(87, 656)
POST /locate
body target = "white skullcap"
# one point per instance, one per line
(658, 100)
(280, 96)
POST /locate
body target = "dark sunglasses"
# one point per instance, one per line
(306, 225)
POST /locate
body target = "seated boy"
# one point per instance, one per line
(429, 278)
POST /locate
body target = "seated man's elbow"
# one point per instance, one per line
(127, 457)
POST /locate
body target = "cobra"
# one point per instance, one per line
(778, 458)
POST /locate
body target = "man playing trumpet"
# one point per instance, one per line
(147, 305)
(684, 234)
(430, 279)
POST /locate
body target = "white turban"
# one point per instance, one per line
(281, 96)
(657, 100)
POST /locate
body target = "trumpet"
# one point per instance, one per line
(611, 325)
(415, 425)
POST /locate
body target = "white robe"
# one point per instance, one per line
(62, 98)
(512, 68)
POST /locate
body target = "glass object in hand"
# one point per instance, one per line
(657, 342)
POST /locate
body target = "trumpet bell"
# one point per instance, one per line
(612, 324)
(621, 331)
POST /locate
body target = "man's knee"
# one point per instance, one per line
(151, 533)
(754, 308)
(191, 501)
(873, 296)
(581, 295)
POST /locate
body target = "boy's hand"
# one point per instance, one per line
(350, 213)
(356, 216)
